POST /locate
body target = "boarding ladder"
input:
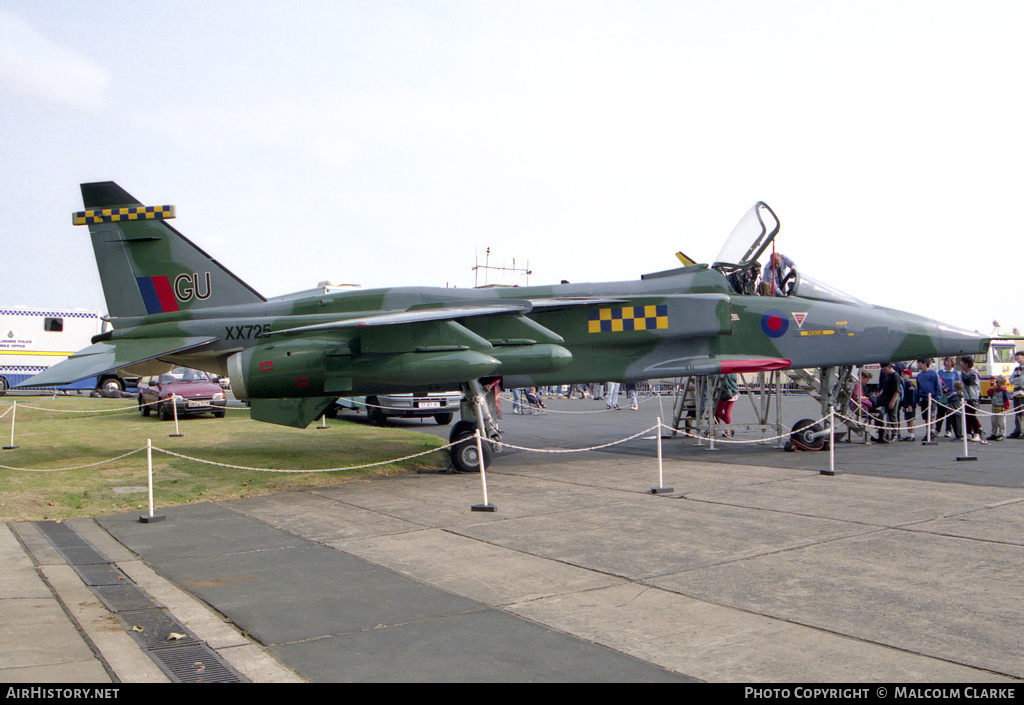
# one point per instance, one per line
(693, 409)
(696, 397)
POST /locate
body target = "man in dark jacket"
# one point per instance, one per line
(887, 402)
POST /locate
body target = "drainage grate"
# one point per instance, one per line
(184, 660)
(75, 550)
(123, 598)
(105, 574)
(154, 629)
(60, 535)
(194, 664)
(82, 555)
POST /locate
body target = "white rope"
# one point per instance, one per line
(496, 444)
(572, 450)
(78, 467)
(349, 467)
(935, 422)
(718, 439)
(118, 410)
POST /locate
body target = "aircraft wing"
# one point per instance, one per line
(108, 356)
(716, 365)
(571, 302)
(395, 318)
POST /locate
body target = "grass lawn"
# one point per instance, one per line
(36, 481)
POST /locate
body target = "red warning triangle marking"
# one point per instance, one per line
(799, 318)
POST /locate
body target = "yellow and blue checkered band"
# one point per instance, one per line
(628, 318)
(113, 215)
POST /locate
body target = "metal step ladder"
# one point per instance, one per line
(693, 410)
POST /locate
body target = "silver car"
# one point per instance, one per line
(441, 405)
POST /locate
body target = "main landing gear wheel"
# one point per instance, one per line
(806, 435)
(464, 455)
(375, 413)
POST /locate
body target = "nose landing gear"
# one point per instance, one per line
(478, 412)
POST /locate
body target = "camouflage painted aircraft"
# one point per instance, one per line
(169, 303)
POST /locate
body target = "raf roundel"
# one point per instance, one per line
(774, 323)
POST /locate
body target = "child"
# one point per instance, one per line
(534, 401)
(1002, 402)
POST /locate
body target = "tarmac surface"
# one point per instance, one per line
(906, 566)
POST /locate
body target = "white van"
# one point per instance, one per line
(33, 339)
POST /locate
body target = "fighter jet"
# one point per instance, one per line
(169, 303)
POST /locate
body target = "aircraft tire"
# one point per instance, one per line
(111, 387)
(460, 429)
(803, 435)
(464, 455)
(374, 413)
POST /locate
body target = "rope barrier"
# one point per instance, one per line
(339, 469)
(77, 467)
(935, 422)
(578, 450)
(833, 418)
(498, 444)
(121, 409)
(839, 417)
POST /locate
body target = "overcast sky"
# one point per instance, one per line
(389, 143)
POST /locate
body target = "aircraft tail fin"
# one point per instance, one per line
(146, 266)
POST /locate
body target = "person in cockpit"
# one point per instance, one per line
(780, 273)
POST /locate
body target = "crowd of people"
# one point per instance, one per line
(948, 399)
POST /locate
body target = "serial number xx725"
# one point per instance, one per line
(246, 332)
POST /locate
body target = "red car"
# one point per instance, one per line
(193, 391)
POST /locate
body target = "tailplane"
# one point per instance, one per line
(146, 266)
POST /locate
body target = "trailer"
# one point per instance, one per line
(34, 339)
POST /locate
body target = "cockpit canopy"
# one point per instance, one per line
(807, 288)
(748, 241)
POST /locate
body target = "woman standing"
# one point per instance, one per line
(949, 376)
(727, 397)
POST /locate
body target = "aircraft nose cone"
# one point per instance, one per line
(941, 339)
